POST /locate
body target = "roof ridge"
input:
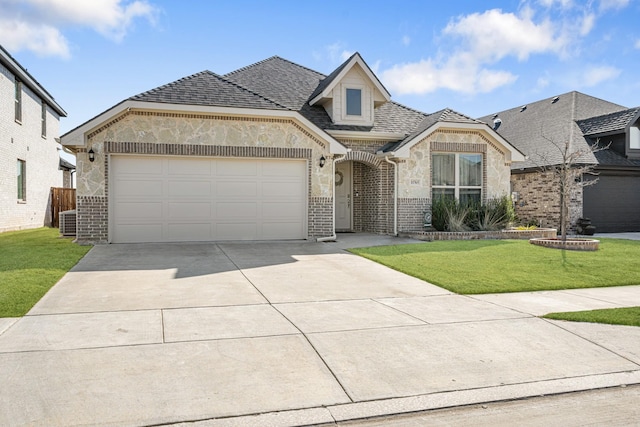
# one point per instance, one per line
(246, 67)
(172, 83)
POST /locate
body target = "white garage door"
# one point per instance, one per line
(173, 199)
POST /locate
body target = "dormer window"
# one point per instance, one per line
(354, 102)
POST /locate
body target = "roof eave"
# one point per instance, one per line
(24, 76)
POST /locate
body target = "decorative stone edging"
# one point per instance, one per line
(430, 236)
(572, 243)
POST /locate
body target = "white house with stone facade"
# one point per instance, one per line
(276, 151)
(29, 159)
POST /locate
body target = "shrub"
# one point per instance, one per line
(448, 214)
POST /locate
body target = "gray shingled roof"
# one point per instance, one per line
(278, 79)
(615, 159)
(543, 126)
(444, 115)
(294, 86)
(208, 89)
(608, 123)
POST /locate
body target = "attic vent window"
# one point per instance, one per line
(554, 100)
(524, 107)
(354, 102)
(496, 123)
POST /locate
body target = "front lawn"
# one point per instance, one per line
(614, 316)
(31, 262)
(493, 266)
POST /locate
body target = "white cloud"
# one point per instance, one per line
(37, 25)
(637, 44)
(486, 38)
(44, 40)
(596, 75)
(406, 40)
(613, 4)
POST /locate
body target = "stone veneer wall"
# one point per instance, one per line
(177, 134)
(539, 199)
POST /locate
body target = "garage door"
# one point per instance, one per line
(173, 199)
(613, 203)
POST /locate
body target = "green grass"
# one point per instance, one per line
(614, 316)
(31, 262)
(493, 266)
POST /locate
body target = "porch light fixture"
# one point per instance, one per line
(322, 161)
(92, 155)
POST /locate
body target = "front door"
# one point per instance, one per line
(343, 196)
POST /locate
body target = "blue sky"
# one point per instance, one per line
(474, 57)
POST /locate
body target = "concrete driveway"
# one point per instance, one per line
(281, 334)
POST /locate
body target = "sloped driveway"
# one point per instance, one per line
(278, 333)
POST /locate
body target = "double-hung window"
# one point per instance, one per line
(22, 180)
(457, 176)
(18, 100)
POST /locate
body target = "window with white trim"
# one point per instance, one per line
(457, 176)
(354, 102)
(22, 180)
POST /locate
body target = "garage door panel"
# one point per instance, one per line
(189, 188)
(236, 189)
(282, 210)
(137, 188)
(280, 230)
(138, 210)
(190, 167)
(189, 232)
(234, 210)
(237, 168)
(237, 231)
(137, 166)
(166, 199)
(281, 189)
(132, 233)
(290, 169)
(189, 210)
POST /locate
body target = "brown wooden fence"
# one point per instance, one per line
(62, 199)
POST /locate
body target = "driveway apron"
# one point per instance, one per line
(281, 333)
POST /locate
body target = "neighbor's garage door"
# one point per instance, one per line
(613, 203)
(171, 199)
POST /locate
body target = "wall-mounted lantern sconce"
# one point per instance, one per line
(322, 161)
(92, 155)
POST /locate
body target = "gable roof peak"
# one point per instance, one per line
(326, 86)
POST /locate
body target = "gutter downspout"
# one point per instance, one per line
(333, 237)
(395, 194)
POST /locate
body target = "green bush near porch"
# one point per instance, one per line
(31, 262)
(496, 266)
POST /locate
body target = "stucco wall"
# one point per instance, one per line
(24, 141)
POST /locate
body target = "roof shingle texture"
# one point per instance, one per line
(542, 129)
(207, 89)
(608, 123)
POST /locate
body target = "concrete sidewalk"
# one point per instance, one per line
(287, 334)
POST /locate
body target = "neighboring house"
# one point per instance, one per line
(275, 151)
(541, 129)
(29, 159)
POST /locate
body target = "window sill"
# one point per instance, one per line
(22, 202)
